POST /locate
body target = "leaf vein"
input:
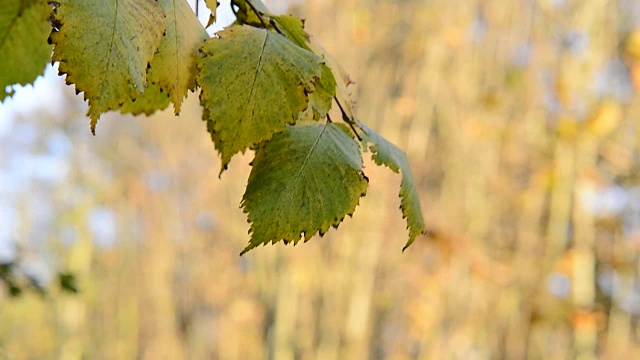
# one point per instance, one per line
(113, 35)
(253, 85)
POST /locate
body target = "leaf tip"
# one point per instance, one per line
(92, 126)
(223, 168)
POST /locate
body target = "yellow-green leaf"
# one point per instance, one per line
(213, 7)
(387, 154)
(341, 81)
(104, 47)
(328, 87)
(173, 68)
(293, 28)
(253, 82)
(153, 99)
(24, 52)
(303, 181)
(321, 99)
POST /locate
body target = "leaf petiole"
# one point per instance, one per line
(347, 119)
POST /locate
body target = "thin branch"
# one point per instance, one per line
(275, 26)
(347, 119)
(354, 131)
(255, 11)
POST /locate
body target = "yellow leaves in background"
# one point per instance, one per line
(632, 46)
(567, 127)
(605, 119)
(632, 53)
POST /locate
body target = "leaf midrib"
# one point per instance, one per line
(302, 167)
(113, 35)
(253, 86)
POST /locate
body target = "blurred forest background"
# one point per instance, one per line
(522, 123)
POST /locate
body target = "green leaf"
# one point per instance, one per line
(385, 153)
(293, 28)
(104, 47)
(303, 181)
(24, 52)
(173, 68)
(253, 82)
(321, 99)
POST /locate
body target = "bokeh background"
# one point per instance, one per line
(521, 121)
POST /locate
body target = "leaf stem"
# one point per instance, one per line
(275, 26)
(354, 131)
(347, 119)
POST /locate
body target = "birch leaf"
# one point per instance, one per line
(253, 82)
(173, 68)
(24, 52)
(321, 99)
(387, 154)
(303, 181)
(104, 47)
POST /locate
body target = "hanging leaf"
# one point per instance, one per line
(303, 181)
(321, 99)
(213, 7)
(173, 68)
(387, 154)
(253, 82)
(334, 80)
(24, 53)
(104, 47)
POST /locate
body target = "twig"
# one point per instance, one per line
(354, 131)
(347, 119)
(255, 11)
(275, 26)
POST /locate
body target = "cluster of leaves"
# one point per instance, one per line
(265, 85)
